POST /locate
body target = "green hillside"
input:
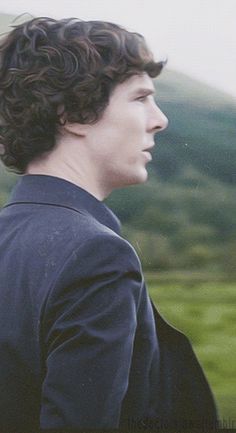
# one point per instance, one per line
(201, 129)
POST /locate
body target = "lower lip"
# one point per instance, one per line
(147, 155)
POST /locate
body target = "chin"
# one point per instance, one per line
(143, 176)
(139, 178)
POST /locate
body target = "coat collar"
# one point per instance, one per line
(60, 192)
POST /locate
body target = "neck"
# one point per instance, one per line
(68, 166)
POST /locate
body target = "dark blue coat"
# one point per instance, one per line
(81, 345)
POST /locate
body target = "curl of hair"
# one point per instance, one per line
(52, 70)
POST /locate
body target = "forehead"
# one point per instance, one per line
(134, 84)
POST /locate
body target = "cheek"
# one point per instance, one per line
(120, 141)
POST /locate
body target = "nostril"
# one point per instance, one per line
(164, 123)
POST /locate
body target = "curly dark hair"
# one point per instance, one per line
(50, 68)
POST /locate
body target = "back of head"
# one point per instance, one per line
(52, 70)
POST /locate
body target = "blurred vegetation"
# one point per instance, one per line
(189, 223)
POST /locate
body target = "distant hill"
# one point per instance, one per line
(202, 128)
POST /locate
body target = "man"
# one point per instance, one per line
(81, 345)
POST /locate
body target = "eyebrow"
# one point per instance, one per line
(144, 90)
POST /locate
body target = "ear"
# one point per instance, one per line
(78, 129)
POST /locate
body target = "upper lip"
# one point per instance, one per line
(149, 147)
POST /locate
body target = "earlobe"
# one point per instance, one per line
(75, 129)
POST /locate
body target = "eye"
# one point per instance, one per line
(142, 98)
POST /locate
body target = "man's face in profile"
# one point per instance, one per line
(121, 140)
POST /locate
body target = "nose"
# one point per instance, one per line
(158, 120)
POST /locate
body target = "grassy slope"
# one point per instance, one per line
(205, 312)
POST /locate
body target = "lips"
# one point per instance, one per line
(147, 154)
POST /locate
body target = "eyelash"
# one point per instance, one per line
(142, 98)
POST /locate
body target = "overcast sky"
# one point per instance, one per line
(197, 36)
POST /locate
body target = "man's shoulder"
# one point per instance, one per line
(58, 243)
(64, 231)
(74, 226)
(49, 219)
(84, 251)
